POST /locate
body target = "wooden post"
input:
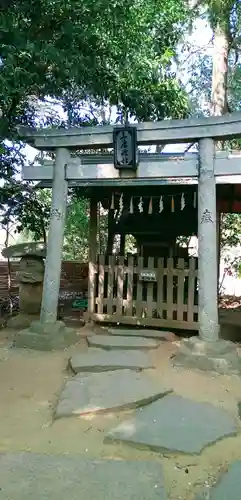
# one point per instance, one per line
(122, 244)
(207, 243)
(55, 239)
(92, 256)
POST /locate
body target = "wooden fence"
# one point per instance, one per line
(119, 293)
(74, 277)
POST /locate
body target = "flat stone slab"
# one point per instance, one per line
(111, 342)
(228, 487)
(107, 391)
(29, 476)
(135, 332)
(175, 424)
(98, 360)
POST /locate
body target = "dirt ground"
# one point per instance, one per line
(29, 386)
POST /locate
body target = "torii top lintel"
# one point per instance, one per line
(167, 131)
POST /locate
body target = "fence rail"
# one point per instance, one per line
(121, 296)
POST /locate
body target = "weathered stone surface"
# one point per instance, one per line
(227, 488)
(31, 269)
(175, 424)
(199, 346)
(111, 342)
(137, 332)
(22, 320)
(30, 297)
(30, 277)
(220, 356)
(46, 336)
(29, 476)
(101, 392)
(97, 360)
(37, 248)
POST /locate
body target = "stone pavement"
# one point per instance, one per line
(26, 476)
(175, 424)
(98, 360)
(228, 486)
(107, 391)
(161, 422)
(111, 342)
(142, 332)
(110, 390)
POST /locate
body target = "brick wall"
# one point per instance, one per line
(74, 277)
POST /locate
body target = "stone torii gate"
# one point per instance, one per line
(92, 170)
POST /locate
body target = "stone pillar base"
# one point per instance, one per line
(220, 356)
(22, 320)
(46, 336)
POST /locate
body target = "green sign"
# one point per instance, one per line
(80, 303)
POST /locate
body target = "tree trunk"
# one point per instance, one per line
(219, 100)
(9, 281)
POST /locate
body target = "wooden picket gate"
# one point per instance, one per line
(117, 294)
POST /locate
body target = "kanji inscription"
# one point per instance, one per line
(55, 212)
(206, 217)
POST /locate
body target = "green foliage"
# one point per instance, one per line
(230, 238)
(224, 17)
(76, 230)
(34, 213)
(25, 208)
(230, 231)
(235, 87)
(130, 244)
(54, 46)
(82, 54)
(21, 205)
(225, 14)
(200, 83)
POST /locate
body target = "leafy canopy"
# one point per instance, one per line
(104, 49)
(82, 53)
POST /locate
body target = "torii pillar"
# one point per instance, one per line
(207, 352)
(49, 333)
(207, 244)
(55, 239)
